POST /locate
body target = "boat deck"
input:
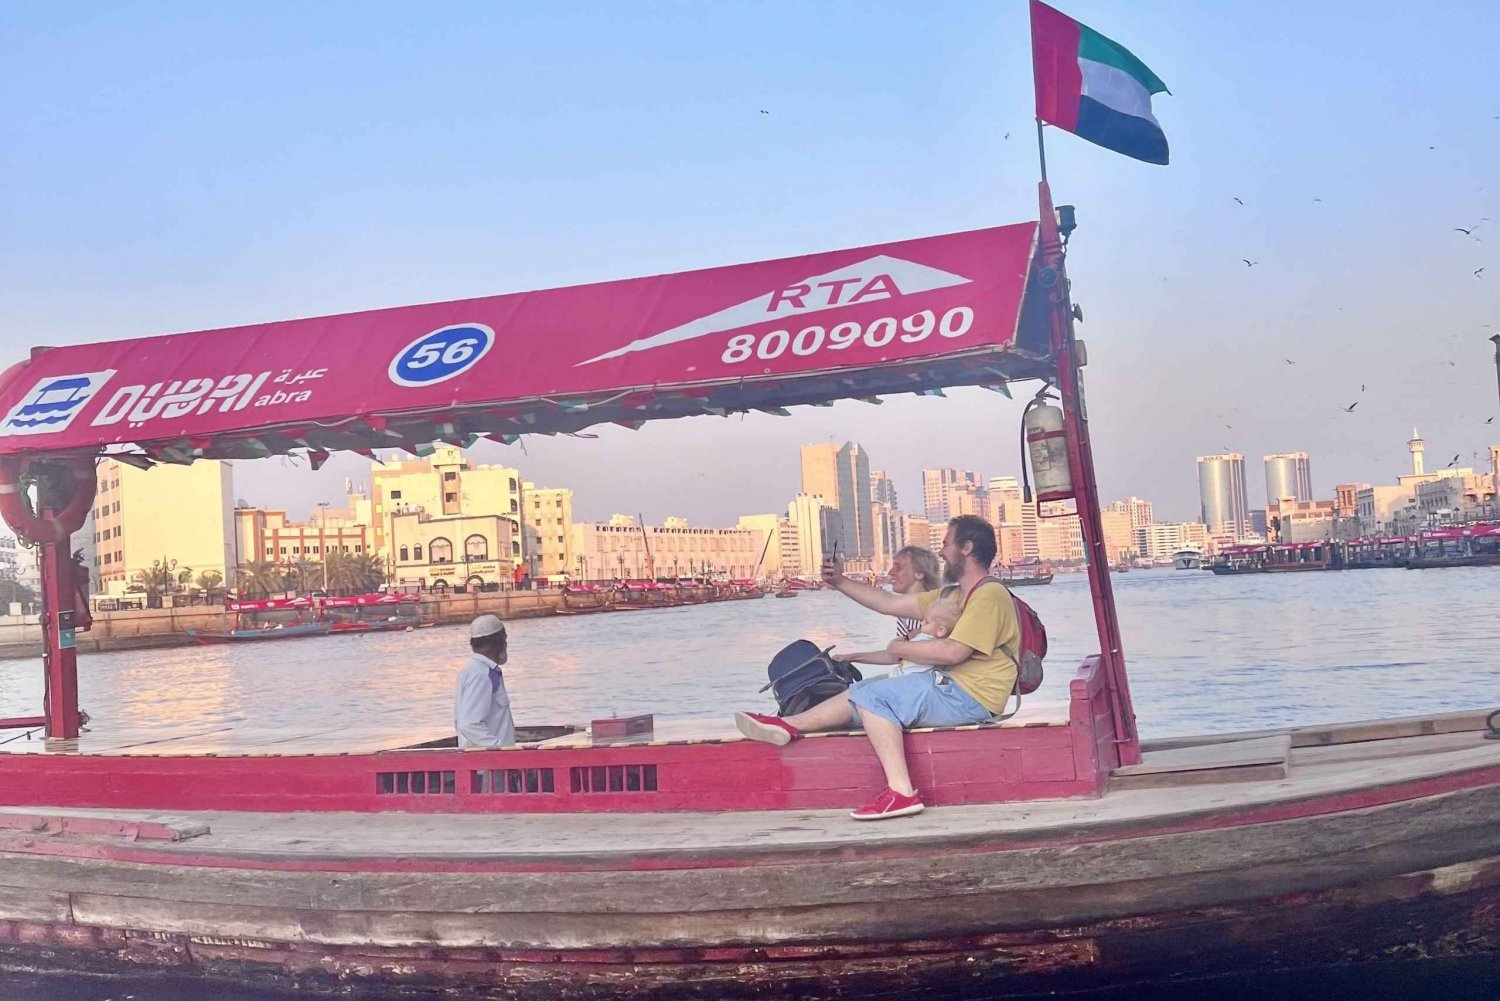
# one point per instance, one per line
(1358, 765)
(103, 738)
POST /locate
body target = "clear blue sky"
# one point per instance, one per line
(176, 166)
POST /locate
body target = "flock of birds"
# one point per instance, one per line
(1470, 232)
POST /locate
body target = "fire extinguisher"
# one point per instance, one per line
(1046, 442)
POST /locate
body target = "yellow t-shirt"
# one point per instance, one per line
(988, 623)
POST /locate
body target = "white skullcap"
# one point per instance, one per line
(485, 625)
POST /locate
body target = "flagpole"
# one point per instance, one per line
(1041, 149)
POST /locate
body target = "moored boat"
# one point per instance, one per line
(271, 631)
(1458, 546)
(1030, 573)
(1063, 852)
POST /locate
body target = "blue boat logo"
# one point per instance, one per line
(53, 403)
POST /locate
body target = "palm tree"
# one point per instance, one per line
(258, 578)
(210, 580)
(354, 573)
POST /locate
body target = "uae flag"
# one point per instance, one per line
(1094, 87)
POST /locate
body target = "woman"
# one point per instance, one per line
(913, 570)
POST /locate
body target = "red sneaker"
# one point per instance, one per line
(769, 729)
(890, 804)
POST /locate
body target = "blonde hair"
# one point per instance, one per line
(924, 563)
(943, 614)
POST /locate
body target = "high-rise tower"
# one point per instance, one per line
(1221, 488)
(1288, 474)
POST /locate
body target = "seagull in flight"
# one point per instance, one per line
(1479, 272)
(1237, 201)
(1453, 463)
(1350, 408)
(1249, 263)
(1288, 361)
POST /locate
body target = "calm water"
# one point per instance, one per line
(1205, 654)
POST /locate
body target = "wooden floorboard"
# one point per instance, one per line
(626, 836)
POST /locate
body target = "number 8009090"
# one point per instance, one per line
(876, 334)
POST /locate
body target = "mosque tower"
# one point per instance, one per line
(1416, 446)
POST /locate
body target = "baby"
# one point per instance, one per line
(942, 615)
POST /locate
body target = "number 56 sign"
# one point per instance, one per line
(441, 355)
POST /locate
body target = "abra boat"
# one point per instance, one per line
(1062, 852)
(256, 634)
(1031, 573)
(1458, 546)
(584, 599)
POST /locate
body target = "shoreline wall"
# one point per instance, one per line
(138, 629)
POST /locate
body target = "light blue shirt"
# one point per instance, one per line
(481, 706)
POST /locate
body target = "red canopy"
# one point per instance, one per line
(366, 600)
(908, 316)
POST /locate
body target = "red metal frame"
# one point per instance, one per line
(1081, 460)
(60, 656)
(987, 764)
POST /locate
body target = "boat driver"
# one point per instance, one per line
(481, 706)
(971, 682)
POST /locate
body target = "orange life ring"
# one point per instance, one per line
(15, 506)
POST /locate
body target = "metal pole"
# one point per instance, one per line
(1041, 150)
(60, 653)
(1081, 460)
(323, 539)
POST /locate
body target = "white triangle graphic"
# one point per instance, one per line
(826, 291)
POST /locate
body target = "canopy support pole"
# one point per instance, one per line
(60, 655)
(1085, 484)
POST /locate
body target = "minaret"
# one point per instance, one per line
(1416, 446)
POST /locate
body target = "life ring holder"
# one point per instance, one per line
(15, 507)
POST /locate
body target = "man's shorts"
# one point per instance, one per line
(926, 698)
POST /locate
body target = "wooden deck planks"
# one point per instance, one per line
(627, 836)
(1233, 761)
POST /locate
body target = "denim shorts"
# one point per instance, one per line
(927, 698)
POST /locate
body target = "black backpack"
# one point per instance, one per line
(802, 676)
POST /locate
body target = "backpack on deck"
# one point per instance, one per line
(1030, 649)
(803, 675)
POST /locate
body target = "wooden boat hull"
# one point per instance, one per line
(207, 637)
(1419, 878)
(1483, 560)
(1027, 581)
(1378, 841)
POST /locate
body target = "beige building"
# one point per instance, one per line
(1119, 536)
(266, 535)
(913, 530)
(950, 492)
(819, 530)
(1060, 540)
(480, 550)
(1015, 521)
(168, 512)
(1291, 520)
(768, 530)
(789, 542)
(622, 548)
(548, 545)
(1455, 500)
(820, 474)
(444, 485)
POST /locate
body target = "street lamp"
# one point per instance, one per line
(323, 539)
(620, 559)
(674, 567)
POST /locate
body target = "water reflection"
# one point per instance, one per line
(1205, 653)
